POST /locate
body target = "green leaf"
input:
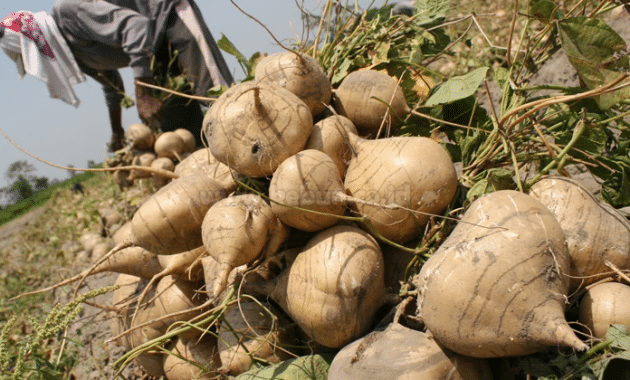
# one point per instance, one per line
(596, 51)
(544, 11)
(228, 47)
(618, 333)
(430, 11)
(312, 367)
(616, 189)
(458, 88)
(494, 180)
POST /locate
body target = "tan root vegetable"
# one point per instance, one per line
(170, 221)
(594, 230)
(124, 232)
(400, 353)
(140, 137)
(100, 250)
(604, 305)
(128, 288)
(300, 74)
(189, 140)
(169, 144)
(254, 127)
(414, 173)
(330, 135)
(334, 287)
(249, 331)
(202, 160)
(365, 97)
(497, 286)
(143, 159)
(184, 265)
(172, 297)
(109, 217)
(193, 359)
(89, 240)
(307, 182)
(121, 178)
(162, 163)
(238, 230)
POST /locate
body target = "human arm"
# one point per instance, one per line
(105, 37)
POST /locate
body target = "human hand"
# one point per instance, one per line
(150, 108)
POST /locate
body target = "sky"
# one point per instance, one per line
(59, 133)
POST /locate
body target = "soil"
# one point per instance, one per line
(90, 331)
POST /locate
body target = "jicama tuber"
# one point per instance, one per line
(188, 138)
(330, 135)
(400, 353)
(413, 175)
(305, 191)
(497, 286)
(334, 287)
(253, 127)
(169, 144)
(170, 220)
(298, 73)
(595, 231)
(162, 163)
(251, 331)
(140, 136)
(604, 305)
(236, 231)
(370, 99)
(192, 359)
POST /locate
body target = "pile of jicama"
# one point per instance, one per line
(289, 235)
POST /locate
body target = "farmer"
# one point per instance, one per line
(98, 37)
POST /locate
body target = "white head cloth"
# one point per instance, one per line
(35, 44)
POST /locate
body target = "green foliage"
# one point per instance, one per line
(26, 360)
(248, 65)
(312, 367)
(457, 88)
(597, 53)
(38, 199)
(21, 189)
(375, 40)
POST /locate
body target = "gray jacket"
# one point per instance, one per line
(106, 35)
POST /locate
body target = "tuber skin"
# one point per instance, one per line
(140, 136)
(604, 305)
(253, 329)
(401, 353)
(365, 97)
(333, 288)
(202, 160)
(414, 173)
(253, 127)
(236, 231)
(303, 183)
(298, 73)
(330, 135)
(169, 144)
(189, 140)
(497, 286)
(170, 220)
(595, 231)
